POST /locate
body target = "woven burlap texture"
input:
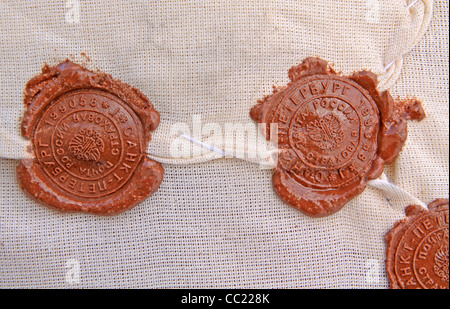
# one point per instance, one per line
(218, 223)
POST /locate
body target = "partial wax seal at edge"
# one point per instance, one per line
(417, 248)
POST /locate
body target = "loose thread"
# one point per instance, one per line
(411, 4)
(212, 148)
(389, 65)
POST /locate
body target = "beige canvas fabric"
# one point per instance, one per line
(216, 223)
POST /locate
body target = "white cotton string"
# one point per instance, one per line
(390, 190)
(392, 70)
(393, 192)
(266, 158)
(408, 7)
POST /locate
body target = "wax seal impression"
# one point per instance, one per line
(334, 134)
(89, 134)
(417, 248)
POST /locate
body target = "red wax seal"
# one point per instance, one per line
(334, 134)
(89, 134)
(417, 252)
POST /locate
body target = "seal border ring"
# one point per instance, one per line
(121, 103)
